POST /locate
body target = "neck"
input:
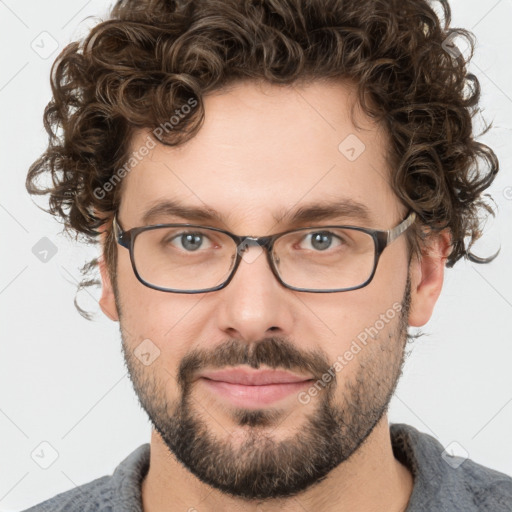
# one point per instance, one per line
(370, 480)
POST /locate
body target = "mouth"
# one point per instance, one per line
(254, 388)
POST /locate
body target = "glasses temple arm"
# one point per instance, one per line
(398, 230)
(115, 227)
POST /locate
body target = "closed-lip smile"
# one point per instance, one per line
(250, 388)
(252, 377)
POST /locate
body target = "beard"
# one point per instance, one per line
(255, 465)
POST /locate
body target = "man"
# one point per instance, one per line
(278, 187)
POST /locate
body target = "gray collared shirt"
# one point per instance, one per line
(441, 483)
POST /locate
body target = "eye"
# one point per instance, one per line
(323, 240)
(189, 241)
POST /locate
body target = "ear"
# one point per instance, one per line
(107, 301)
(427, 276)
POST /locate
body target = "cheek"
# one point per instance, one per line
(351, 326)
(367, 353)
(170, 321)
(391, 274)
(142, 306)
(338, 320)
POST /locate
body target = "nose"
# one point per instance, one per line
(254, 304)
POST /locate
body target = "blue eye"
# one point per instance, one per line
(189, 241)
(322, 240)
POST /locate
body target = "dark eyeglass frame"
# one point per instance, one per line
(381, 239)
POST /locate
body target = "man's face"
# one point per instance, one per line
(265, 150)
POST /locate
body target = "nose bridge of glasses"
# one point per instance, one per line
(245, 242)
(258, 244)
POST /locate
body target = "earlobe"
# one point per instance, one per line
(107, 301)
(427, 278)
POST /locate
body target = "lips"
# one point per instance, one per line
(253, 389)
(252, 377)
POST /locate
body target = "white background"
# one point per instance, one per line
(62, 378)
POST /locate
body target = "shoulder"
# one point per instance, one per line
(446, 482)
(109, 493)
(93, 496)
(489, 489)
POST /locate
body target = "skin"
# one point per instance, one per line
(262, 149)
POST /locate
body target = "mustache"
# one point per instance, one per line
(275, 352)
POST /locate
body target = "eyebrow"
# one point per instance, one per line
(342, 208)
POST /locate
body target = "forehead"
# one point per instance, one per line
(265, 150)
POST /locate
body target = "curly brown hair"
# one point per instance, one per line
(149, 57)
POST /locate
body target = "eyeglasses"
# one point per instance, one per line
(188, 258)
